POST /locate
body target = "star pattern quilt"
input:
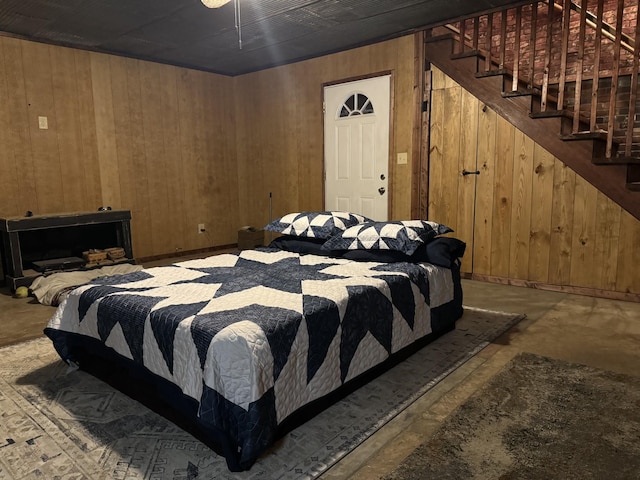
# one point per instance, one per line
(254, 336)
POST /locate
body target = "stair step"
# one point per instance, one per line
(438, 38)
(551, 114)
(584, 136)
(520, 93)
(620, 160)
(492, 73)
(467, 54)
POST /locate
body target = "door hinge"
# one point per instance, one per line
(425, 106)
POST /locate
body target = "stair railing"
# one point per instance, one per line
(576, 63)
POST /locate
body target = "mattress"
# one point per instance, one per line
(250, 339)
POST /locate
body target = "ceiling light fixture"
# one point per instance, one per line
(214, 3)
(236, 6)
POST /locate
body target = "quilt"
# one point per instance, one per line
(254, 336)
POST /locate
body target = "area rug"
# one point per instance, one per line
(60, 424)
(538, 419)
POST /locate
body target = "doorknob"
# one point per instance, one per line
(465, 172)
(381, 190)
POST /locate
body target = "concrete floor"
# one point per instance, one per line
(598, 332)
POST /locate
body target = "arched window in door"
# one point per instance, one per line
(356, 104)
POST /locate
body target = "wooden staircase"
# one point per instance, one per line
(580, 107)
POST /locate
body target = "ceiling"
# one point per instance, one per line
(186, 33)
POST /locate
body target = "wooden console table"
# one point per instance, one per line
(46, 237)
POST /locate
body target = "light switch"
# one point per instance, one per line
(402, 158)
(43, 123)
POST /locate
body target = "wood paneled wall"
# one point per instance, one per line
(526, 216)
(280, 129)
(155, 139)
(179, 147)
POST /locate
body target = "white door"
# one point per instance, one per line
(356, 146)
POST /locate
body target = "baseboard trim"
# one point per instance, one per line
(184, 253)
(589, 292)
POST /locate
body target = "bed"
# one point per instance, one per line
(240, 348)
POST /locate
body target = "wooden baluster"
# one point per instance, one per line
(476, 32)
(547, 57)
(503, 38)
(516, 49)
(578, 93)
(614, 78)
(488, 40)
(634, 88)
(463, 34)
(596, 67)
(532, 44)
(566, 17)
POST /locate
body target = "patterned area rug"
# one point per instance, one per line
(60, 424)
(538, 418)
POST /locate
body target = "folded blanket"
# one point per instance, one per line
(53, 289)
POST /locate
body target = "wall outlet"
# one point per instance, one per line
(43, 123)
(402, 158)
(201, 228)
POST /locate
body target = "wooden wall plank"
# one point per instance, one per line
(541, 207)
(105, 128)
(136, 157)
(177, 228)
(217, 158)
(438, 79)
(451, 123)
(628, 279)
(437, 179)
(88, 133)
(503, 198)
(583, 235)
(484, 191)
(123, 131)
(68, 129)
(404, 99)
(196, 176)
(10, 171)
(467, 183)
(221, 154)
(157, 160)
(607, 237)
(19, 138)
(564, 180)
(521, 206)
(44, 142)
(306, 145)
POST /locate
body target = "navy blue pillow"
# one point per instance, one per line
(294, 244)
(441, 251)
(382, 256)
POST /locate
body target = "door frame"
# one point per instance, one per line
(390, 164)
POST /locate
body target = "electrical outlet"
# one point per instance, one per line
(201, 228)
(402, 158)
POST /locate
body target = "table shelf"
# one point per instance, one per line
(46, 237)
